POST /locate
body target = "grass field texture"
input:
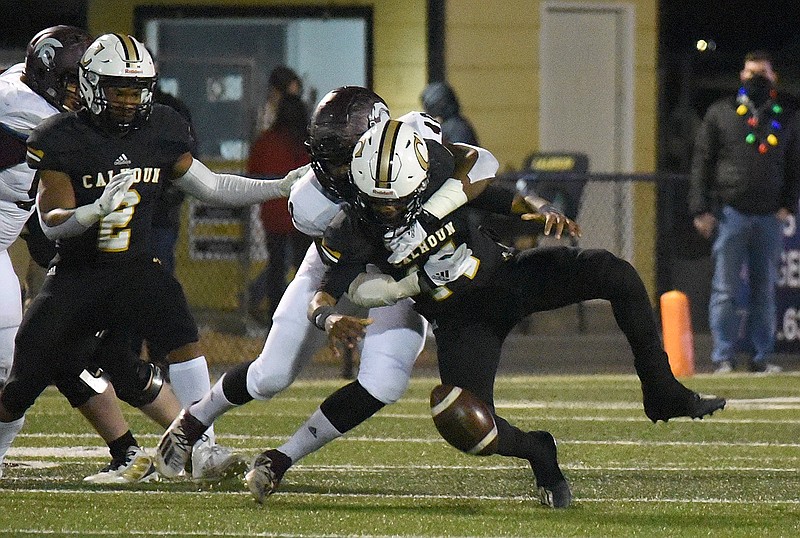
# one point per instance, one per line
(732, 475)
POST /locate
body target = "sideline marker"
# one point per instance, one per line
(676, 325)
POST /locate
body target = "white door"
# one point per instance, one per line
(586, 105)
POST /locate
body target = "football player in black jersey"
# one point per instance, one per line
(100, 171)
(474, 290)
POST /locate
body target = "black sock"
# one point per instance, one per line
(350, 406)
(234, 384)
(119, 446)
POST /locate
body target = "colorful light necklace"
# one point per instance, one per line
(774, 109)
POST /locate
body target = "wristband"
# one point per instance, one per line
(320, 314)
(548, 208)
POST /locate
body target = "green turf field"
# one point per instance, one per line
(733, 475)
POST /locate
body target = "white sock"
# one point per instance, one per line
(213, 405)
(190, 382)
(8, 432)
(310, 437)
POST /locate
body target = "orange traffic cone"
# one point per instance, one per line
(676, 325)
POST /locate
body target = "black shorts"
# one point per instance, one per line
(76, 303)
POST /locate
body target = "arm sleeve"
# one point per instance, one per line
(227, 189)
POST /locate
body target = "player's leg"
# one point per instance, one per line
(10, 313)
(550, 278)
(391, 345)
(96, 399)
(33, 368)
(468, 351)
(289, 345)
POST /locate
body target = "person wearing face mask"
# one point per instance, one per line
(744, 185)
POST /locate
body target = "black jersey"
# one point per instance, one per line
(350, 244)
(71, 143)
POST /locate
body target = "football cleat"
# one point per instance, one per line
(175, 447)
(664, 404)
(266, 474)
(216, 463)
(552, 486)
(136, 467)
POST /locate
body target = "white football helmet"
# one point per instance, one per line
(390, 171)
(115, 63)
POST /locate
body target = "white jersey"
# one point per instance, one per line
(21, 109)
(313, 208)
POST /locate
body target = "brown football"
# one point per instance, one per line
(463, 420)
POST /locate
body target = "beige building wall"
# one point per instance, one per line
(492, 61)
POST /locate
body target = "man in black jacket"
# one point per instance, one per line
(744, 185)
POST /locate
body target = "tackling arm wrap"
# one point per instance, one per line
(447, 199)
(232, 190)
(377, 289)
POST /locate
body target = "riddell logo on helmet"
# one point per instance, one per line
(134, 71)
(382, 192)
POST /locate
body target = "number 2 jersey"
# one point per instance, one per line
(71, 143)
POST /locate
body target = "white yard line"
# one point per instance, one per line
(414, 496)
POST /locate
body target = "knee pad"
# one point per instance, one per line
(77, 390)
(141, 389)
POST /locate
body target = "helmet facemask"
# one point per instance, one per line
(120, 104)
(390, 173)
(117, 78)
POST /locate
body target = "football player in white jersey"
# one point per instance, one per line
(396, 334)
(45, 84)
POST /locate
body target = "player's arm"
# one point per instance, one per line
(343, 331)
(473, 165)
(230, 190)
(58, 215)
(443, 267)
(503, 201)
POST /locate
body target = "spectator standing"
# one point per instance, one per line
(282, 81)
(744, 185)
(276, 151)
(440, 101)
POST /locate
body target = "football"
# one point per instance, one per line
(463, 420)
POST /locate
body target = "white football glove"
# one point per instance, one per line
(108, 202)
(405, 243)
(447, 264)
(285, 185)
(377, 289)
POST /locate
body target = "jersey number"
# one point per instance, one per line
(114, 234)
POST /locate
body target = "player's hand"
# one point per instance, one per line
(345, 332)
(405, 243)
(109, 200)
(705, 224)
(554, 220)
(447, 264)
(114, 192)
(291, 178)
